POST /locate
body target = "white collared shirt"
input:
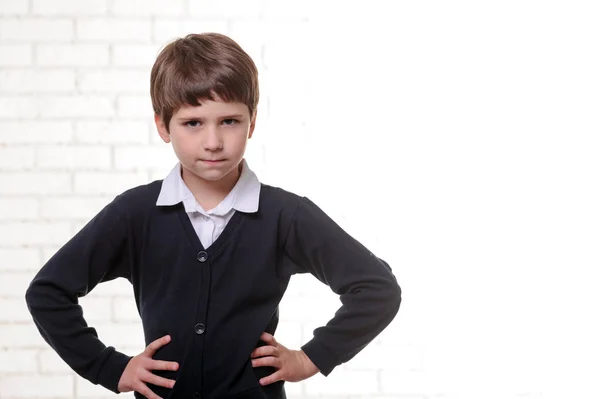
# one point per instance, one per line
(210, 224)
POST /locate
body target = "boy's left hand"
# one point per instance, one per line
(292, 365)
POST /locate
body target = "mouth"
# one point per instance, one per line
(212, 161)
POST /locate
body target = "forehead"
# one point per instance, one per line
(209, 108)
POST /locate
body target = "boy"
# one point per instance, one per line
(209, 251)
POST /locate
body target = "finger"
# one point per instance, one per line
(268, 338)
(147, 392)
(276, 376)
(156, 345)
(157, 380)
(265, 351)
(266, 361)
(163, 365)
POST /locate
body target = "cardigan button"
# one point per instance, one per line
(199, 328)
(202, 256)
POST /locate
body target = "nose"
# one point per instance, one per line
(212, 139)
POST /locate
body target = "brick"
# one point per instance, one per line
(147, 8)
(103, 132)
(135, 55)
(96, 309)
(26, 30)
(31, 233)
(13, 7)
(74, 157)
(135, 107)
(37, 386)
(78, 106)
(70, 7)
(78, 225)
(145, 158)
(32, 132)
(36, 81)
(16, 107)
(289, 333)
(18, 360)
(125, 309)
(119, 287)
(35, 183)
(287, 9)
(166, 30)
(16, 55)
(401, 358)
(120, 335)
(14, 310)
(72, 207)
(19, 259)
(412, 382)
(114, 30)
(224, 9)
(159, 174)
(72, 55)
(309, 309)
(51, 363)
(48, 251)
(16, 158)
(344, 382)
(14, 284)
(85, 389)
(252, 37)
(18, 208)
(21, 336)
(112, 183)
(115, 81)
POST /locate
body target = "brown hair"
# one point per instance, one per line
(199, 66)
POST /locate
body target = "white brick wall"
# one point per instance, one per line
(457, 140)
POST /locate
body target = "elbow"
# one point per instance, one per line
(394, 298)
(30, 296)
(33, 295)
(397, 297)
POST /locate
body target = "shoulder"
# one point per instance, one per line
(138, 198)
(272, 197)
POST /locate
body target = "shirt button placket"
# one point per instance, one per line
(202, 256)
(199, 328)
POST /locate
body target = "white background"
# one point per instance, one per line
(458, 140)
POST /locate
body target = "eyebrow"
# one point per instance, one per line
(191, 117)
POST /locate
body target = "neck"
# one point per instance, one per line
(209, 193)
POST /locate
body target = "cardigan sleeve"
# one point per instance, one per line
(99, 252)
(368, 290)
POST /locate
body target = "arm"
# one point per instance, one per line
(368, 290)
(99, 252)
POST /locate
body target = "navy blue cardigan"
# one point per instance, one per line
(214, 302)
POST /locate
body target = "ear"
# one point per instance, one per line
(252, 126)
(163, 132)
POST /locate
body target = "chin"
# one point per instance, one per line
(211, 176)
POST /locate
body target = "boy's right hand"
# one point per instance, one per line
(139, 371)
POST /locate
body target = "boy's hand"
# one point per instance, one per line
(292, 365)
(139, 371)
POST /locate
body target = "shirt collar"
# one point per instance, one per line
(243, 197)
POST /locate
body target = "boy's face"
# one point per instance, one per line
(209, 140)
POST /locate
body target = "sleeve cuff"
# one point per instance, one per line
(113, 368)
(322, 357)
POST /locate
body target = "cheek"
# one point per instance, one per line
(182, 149)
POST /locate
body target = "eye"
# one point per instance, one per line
(192, 123)
(230, 121)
